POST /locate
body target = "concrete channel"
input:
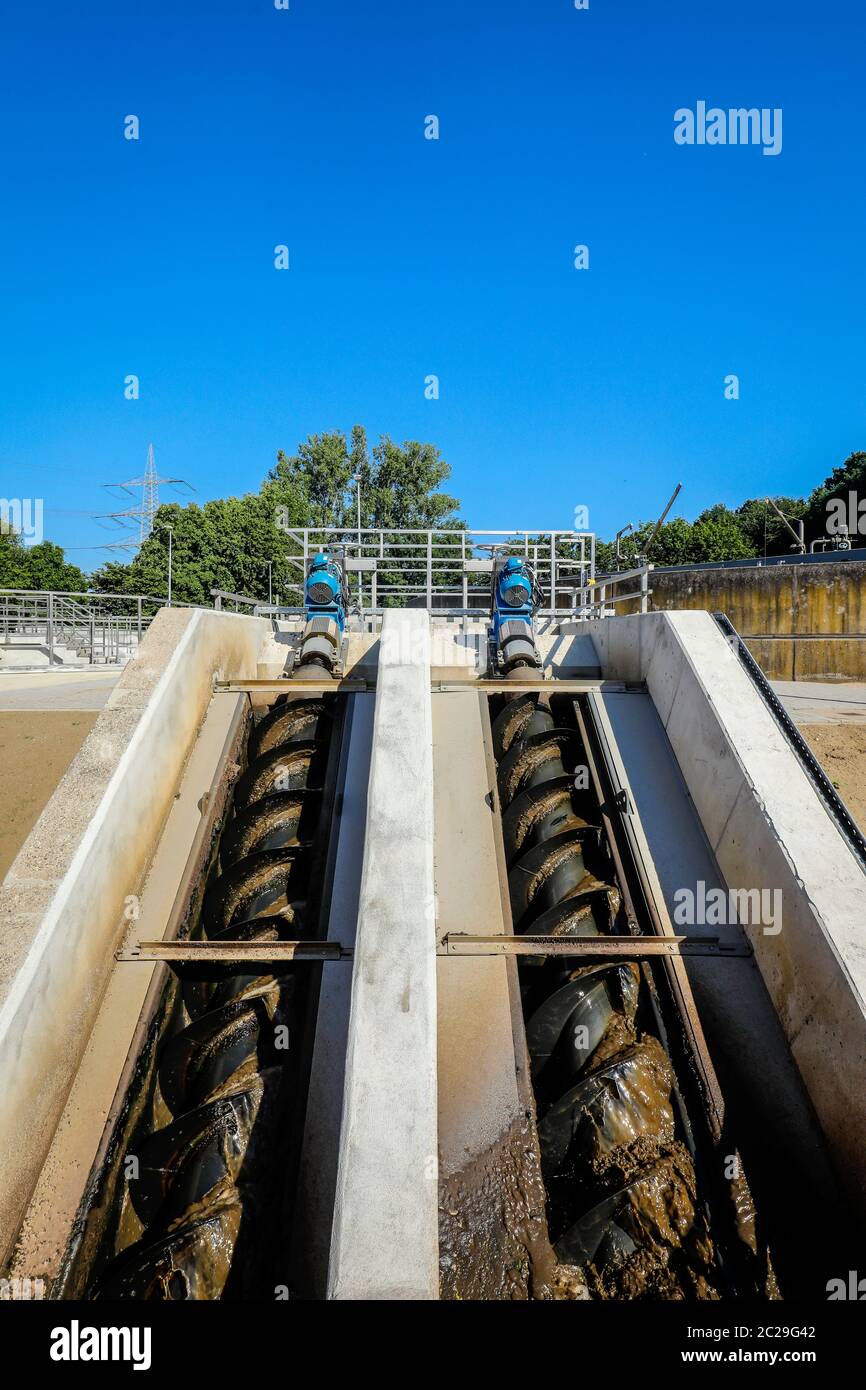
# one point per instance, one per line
(385, 847)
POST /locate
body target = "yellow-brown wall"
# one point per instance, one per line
(801, 622)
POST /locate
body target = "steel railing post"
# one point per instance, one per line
(644, 586)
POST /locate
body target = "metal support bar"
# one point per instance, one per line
(620, 947)
(234, 952)
(286, 687)
(551, 685)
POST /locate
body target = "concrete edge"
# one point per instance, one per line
(62, 902)
(769, 830)
(384, 1242)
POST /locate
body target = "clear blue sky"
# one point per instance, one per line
(411, 257)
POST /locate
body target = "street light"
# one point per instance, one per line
(270, 565)
(356, 479)
(170, 530)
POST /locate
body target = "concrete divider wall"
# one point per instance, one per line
(768, 829)
(384, 1242)
(62, 903)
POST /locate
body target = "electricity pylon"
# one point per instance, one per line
(150, 484)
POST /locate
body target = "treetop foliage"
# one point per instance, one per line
(234, 543)
(231, 543)
(40, 566)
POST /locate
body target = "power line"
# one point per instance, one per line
(150, 484)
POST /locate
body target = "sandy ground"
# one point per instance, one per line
(841, 751)
(44, 721)
(36, 748)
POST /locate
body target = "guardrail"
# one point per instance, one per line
(103, 627)
(442, 566)
(601, 597)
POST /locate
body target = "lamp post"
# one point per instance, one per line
(270, 565)
(356, 479)
(170, 530)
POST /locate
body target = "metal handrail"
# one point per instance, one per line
(77, 620)
(431, 562)
(600, 599)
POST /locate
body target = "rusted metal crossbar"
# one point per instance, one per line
(234, 952)
(291, 687)
(625, 947)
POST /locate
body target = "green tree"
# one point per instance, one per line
(226, 544)
(765, 531)
(717, 534)
(399, 489)
(14, 573)
(42, 566)
(849, 477)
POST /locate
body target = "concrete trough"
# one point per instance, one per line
(65, 902)
(770, 833)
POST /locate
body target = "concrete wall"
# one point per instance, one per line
(317, 1180)
(794, 609)
(62, 902)
(385, 1236)
(769, 829)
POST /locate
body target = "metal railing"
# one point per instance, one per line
(599, 600)
(105, 628)
(445, 568)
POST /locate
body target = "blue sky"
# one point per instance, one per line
(411, 257)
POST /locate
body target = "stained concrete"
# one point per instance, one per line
(317, 1181)
(767, 828)
(478, 1096)
(62, 902)
(385, 1236)
(800, 622)
(770, 1121)
(81, 1131)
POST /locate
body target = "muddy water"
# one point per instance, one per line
(493, 1240)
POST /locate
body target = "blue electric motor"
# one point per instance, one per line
(324, 591)
(326, 600)
(515, 597)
